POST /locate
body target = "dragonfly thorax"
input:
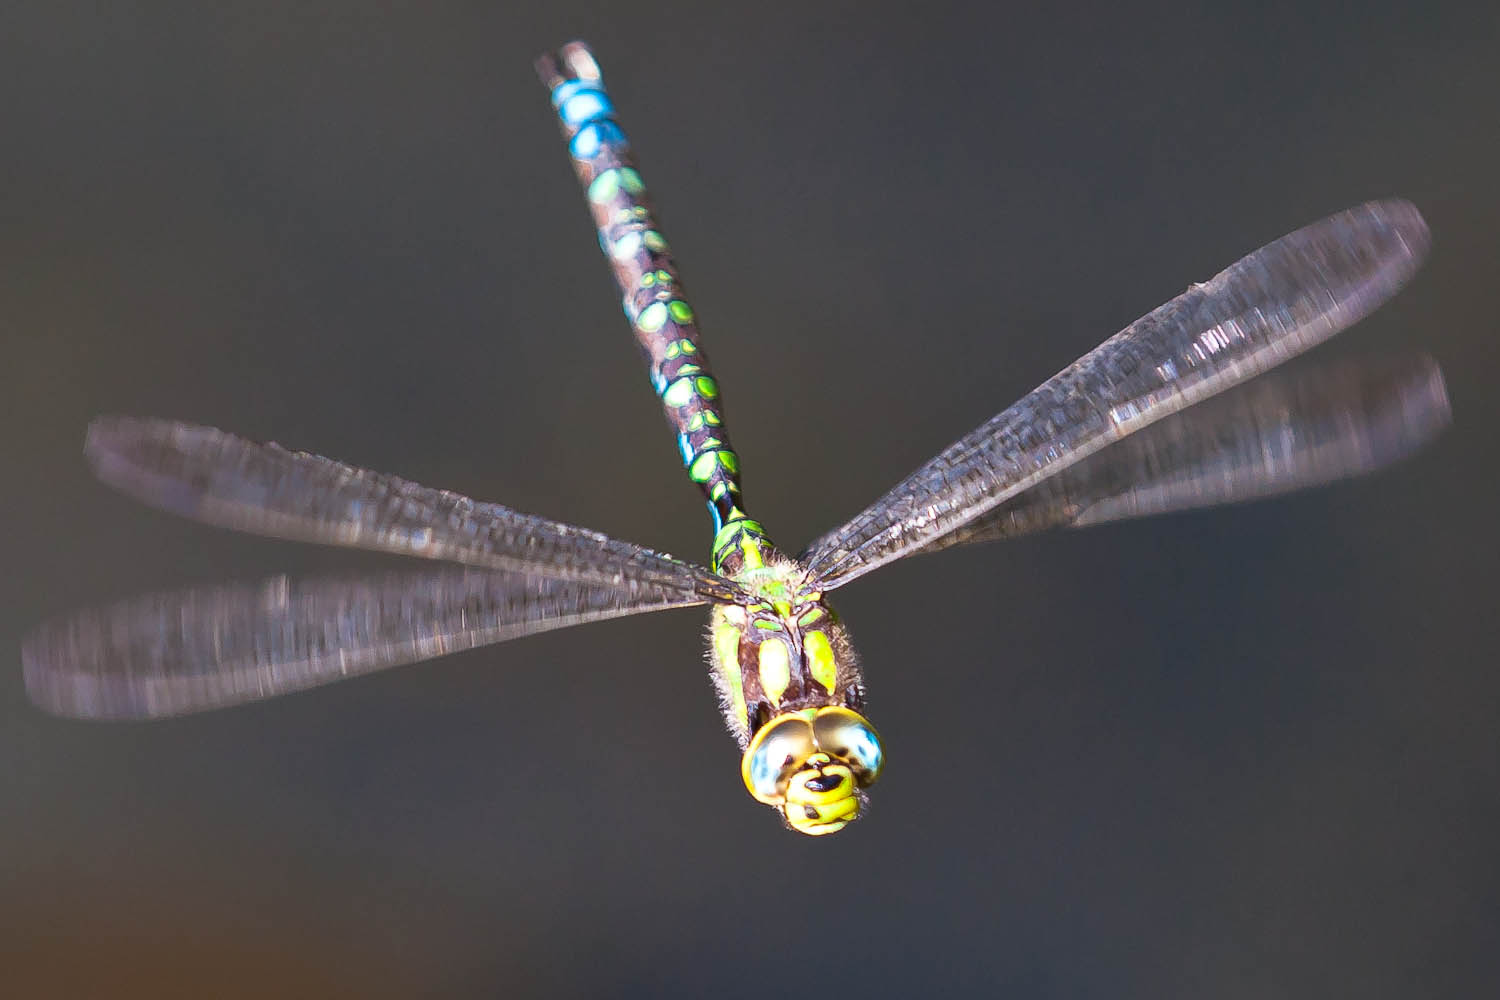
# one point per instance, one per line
(790, 686)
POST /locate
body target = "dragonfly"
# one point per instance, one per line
(1143, 424)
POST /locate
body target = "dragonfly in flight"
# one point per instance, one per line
(1142, 424)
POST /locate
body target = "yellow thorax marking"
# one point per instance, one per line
(820, 660)
(775, 663)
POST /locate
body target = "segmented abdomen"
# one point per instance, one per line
(663, 322)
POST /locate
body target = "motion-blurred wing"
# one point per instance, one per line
(1270, 306)
(1281, 432)
(211, 476)
(173, 653)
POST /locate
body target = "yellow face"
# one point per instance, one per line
(812, 765)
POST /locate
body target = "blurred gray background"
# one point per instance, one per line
(1248, 752)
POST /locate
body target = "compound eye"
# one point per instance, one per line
(850, 737)
(778, 749)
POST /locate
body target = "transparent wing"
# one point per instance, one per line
(1281, 432)
(191, 650)
(221, 479)
(1268, 307)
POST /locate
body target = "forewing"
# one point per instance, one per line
(221, 479)
(1281, 432)
(1268, 307)
(187, 651)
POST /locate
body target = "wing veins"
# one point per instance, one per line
(1270, 306)
(171, 653)
(228, 481)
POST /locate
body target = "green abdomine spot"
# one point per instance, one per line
(703, 466)
(689, 370)
(695, 422)
(604, 187)
(736, 530)
(712, 419)
(679, 393)
(654, 241)
(681, 311)
(672, 350)
(730, 461)
(726, 536)
(631, 181)
(652, 318)
(707, 386)
(688, 347)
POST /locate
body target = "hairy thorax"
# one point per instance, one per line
(781, 652)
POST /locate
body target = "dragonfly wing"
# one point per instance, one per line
(187, 651)
(1281, 432)
(221, 479)
(1268, 307)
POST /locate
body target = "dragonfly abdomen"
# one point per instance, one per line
(664, 324)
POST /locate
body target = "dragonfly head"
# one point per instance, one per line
(814, 765)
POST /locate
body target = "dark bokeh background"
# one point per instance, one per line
(1250, 752)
